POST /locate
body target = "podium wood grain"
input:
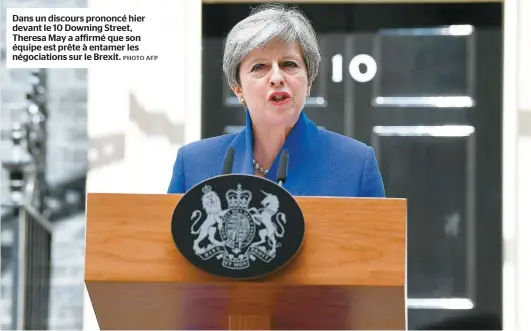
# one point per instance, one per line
(349, 273)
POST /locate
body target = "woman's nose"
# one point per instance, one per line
(276, 79)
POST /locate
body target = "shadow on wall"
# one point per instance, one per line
(110, 149)
(524, 123)
(155, 124)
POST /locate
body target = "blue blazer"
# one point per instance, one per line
(321, 162)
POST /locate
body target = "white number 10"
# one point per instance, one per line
(354, 68)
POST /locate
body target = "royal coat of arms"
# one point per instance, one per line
(239, 234)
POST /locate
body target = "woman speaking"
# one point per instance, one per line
(270, 60)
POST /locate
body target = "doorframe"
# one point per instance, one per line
(516, 206)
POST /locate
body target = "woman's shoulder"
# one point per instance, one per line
(339, 143)
(197, 161)
(207, 146)
(352, 158)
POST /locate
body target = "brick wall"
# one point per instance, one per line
(67, 159)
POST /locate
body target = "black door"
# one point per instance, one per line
(422, 85)
(433, 114)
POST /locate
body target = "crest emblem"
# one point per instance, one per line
(238, 226)
(238, 234)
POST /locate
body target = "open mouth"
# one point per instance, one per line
(279, 97)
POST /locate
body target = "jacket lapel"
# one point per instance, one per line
(243, 149)
(300, 145)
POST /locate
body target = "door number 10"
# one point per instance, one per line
(354, 68)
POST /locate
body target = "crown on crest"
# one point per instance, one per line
(239, 198)
(207, 189)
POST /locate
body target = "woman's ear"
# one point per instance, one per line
(239, 94)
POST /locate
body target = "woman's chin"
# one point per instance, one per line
(284, 117)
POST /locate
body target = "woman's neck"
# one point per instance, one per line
(267, 143)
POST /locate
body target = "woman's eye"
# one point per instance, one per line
(290, 64)
(257, 67)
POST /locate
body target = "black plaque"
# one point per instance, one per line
(238, 226)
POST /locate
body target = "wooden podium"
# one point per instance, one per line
(349, 273)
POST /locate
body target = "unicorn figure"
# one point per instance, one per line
(264, 216)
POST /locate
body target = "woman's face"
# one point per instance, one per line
(274, 84)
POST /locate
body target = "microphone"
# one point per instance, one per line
(228, 161)
(282, 171)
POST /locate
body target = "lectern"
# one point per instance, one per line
(348, 274)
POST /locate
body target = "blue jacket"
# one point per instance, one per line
(321, 162)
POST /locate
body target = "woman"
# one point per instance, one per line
(271, 59)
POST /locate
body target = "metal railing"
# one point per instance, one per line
(31, 252)
(31, 263)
